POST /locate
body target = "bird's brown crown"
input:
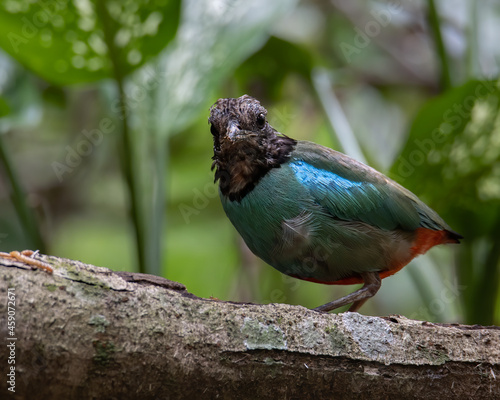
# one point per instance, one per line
(246, 147)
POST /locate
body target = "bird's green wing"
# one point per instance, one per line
(352, 191)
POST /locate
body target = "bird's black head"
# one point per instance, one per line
(238, 119)
(246, 147)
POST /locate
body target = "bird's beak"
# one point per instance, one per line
(233, 130)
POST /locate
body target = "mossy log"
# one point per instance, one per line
(88, 332)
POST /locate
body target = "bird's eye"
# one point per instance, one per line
(213, 130)
(261, 120)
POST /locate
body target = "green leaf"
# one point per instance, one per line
(4, 107)
(63, 41)
(452, 155)
(272, 64)
(22, 96)
(214, 38)
(452, 158)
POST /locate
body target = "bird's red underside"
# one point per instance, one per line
(424, 240)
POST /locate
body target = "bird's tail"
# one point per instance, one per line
(452, 237)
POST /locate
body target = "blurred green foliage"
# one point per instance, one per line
(64, 42)
(105, 148)
(455, 139)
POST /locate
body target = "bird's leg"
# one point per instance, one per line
(372, 285)
(25, 257)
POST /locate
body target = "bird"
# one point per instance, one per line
(314, 213)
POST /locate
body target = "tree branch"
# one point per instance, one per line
(87, 332)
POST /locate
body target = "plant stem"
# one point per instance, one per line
(25, 214)
(425, 292)
(336, 116)
(487, 286)
(157, 217)
(129, 165)
(472, 42)
(434, 22)
(466, 277)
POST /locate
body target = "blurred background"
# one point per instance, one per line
(105, 150)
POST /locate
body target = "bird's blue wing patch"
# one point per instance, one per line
(308, 174)
(354, 200)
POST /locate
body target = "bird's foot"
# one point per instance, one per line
(357, 298)
(26, 257)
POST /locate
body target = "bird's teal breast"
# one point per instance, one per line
(283, 224)
(259, 216)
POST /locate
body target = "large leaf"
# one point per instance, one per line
(63, 41)
(168, 94)
(452, 156)
(271, 65)
(214, 38)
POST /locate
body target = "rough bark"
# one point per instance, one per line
(87, 332)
